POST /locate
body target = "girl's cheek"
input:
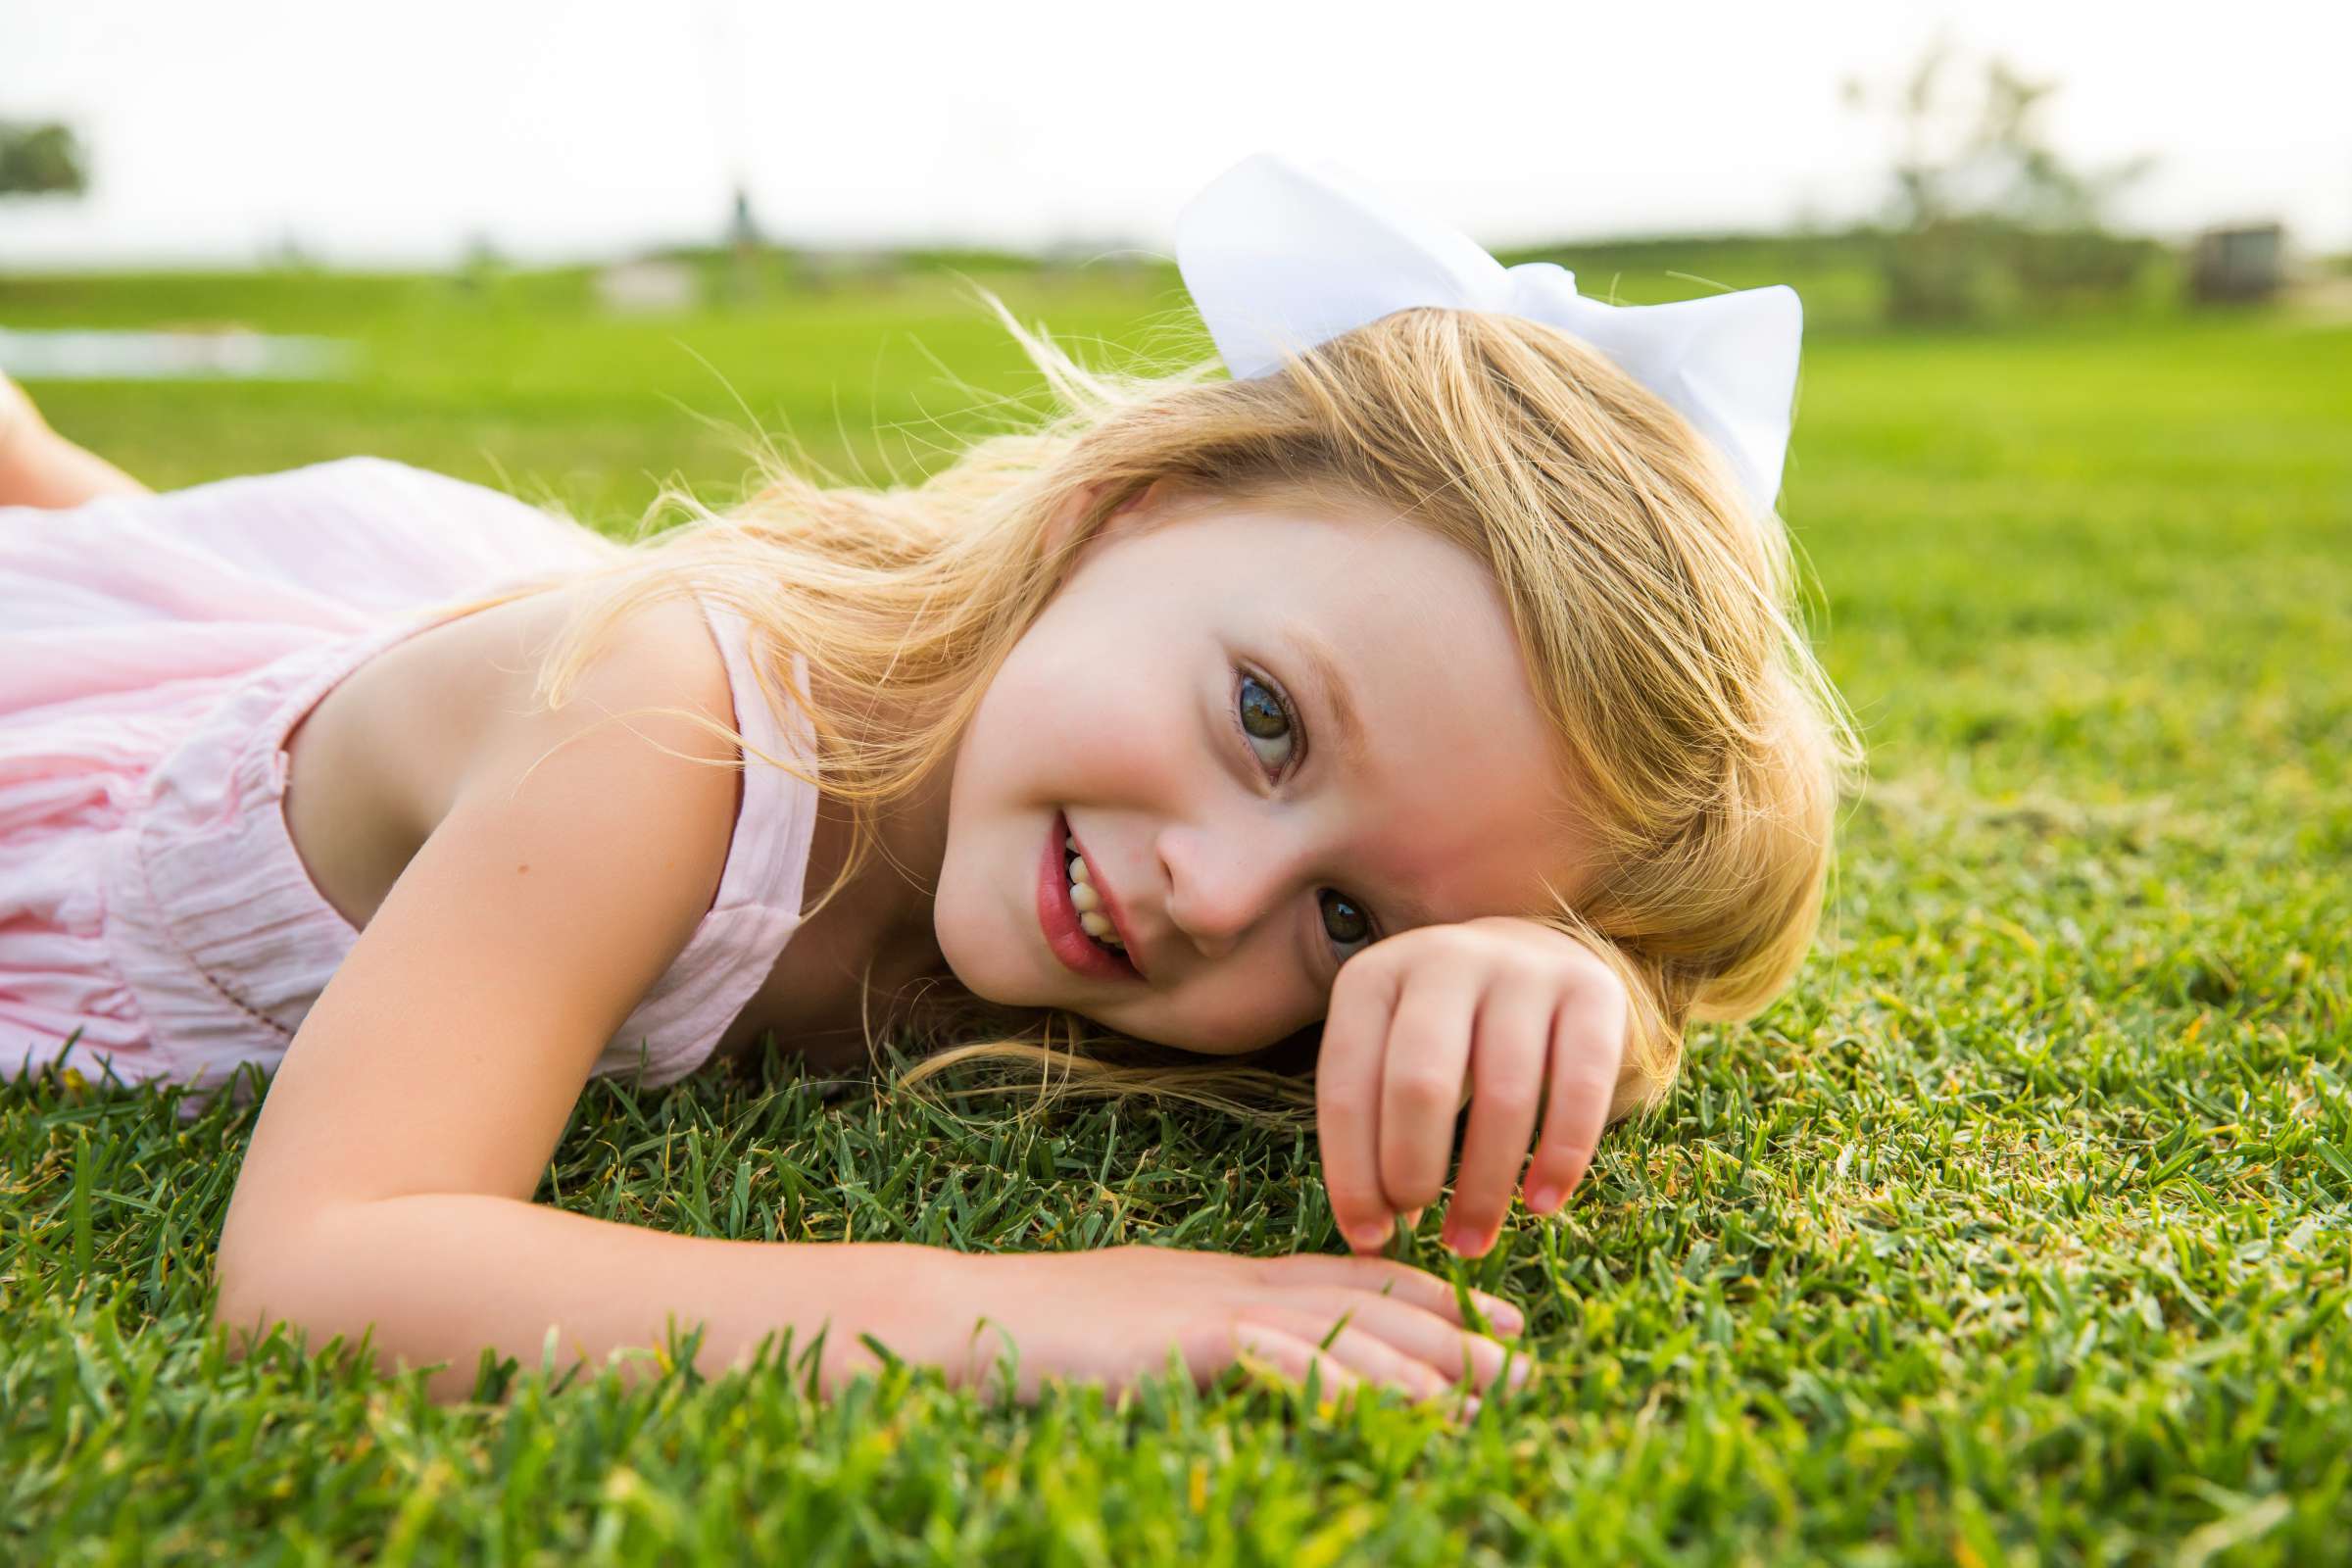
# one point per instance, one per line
(1105, 728)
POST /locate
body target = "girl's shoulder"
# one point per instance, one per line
(469, 683)
(378, 762)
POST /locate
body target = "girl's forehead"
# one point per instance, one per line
(1345, 560)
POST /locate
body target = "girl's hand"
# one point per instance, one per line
(1493, 1012)
(1114, 1313)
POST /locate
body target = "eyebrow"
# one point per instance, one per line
(1332, 688)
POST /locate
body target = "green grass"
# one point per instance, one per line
(2016, 1232)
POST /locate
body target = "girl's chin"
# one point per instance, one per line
(1004, 978)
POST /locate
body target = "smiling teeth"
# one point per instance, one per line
(1089, 903)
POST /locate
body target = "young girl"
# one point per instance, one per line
(1426, 695)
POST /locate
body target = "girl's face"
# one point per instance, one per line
(1168, 711)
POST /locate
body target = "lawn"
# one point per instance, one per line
(2016, 1232)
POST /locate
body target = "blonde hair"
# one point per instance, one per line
(1706, 748)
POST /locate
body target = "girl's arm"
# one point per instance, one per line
(390, 1173)
(38, 468)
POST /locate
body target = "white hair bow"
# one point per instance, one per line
(1276, 250)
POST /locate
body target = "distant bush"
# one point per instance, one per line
(1976, 269)
(44, 159)
(1986, 220)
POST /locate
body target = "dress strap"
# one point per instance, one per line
(769, 861)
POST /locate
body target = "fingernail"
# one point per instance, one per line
(1544, 1198)
(1470, 1406)
(1412, 1221)
(1504, 1313)
(1368, 1235)
(1520, 1373)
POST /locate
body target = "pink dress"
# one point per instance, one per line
(155, 650)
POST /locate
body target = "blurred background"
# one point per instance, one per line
(550, 244)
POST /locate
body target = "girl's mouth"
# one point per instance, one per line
(1057, 917)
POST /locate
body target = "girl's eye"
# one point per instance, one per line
(1265, 715)
(1344, 923)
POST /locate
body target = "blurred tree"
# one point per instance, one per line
(744, 246)
(41, 160)
(1985, 218)
(481, 265)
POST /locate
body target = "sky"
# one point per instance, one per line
(394, 135)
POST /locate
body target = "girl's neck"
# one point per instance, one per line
(886, 910)
(850, 970)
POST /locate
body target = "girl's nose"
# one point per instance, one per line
(1222, 884)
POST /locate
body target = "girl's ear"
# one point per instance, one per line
(1118, 524)
(1065, 521)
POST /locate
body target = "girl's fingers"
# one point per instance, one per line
(1361, 1349)
(1347, 1100)
(1507, 1061)
(1398, 1282)
(1587, 1048)
(1292, 1355)
(1456, 1353)
(1422, 1070)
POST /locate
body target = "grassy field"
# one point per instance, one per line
(2017, 1232)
